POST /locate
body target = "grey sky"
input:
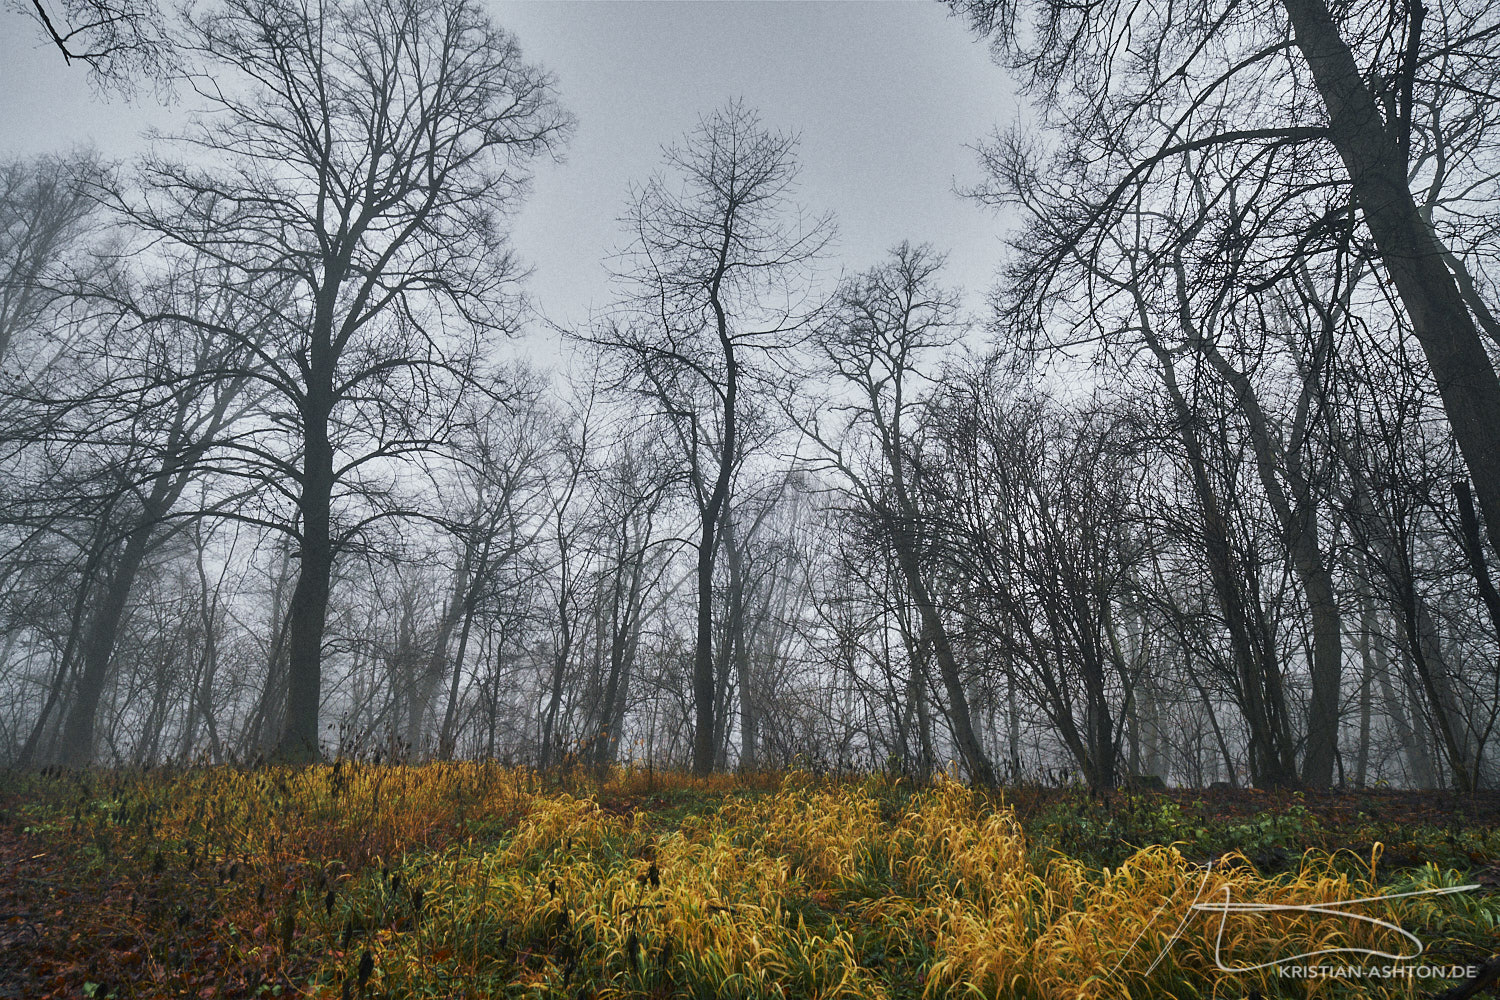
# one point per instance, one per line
(884, 94)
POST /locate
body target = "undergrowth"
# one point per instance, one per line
(473, 880)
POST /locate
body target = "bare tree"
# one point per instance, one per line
(888, 320)
(116, 419)
(1337, 89)
(632, 488)
(502, 490)
(568, 520)
(1033, 508)
(161, 443)
(367, 156)
(48, 207)
(718, 262)
(1254, 265)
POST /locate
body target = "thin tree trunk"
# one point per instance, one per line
(1474, 551)
(904, 521)
(1386, 557)
(1366, 679)
(1408, 724)
(623, 637)
(450, 711)
(739, 645)
(31, 751)
(704, 748)
(1151, 730)
(1270, 763)
(1299, 527)
(431, 676)
(1433, 672)
(98, 649)
(935, 637)
(559, 660)
(1299, 534)
(264, 726)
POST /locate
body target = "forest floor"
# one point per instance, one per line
(472, 880)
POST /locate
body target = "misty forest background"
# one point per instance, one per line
(1209, 490)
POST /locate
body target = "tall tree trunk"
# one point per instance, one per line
(479, 568)
(1385, 556)
(561, 655)
(705, 748)
(904, 523)
(1474, 552)
(624, 633)
(1299, 535)
(450, 711)
(1413, 747)
(622, 667)
(724, 682)
(308, 612)
(551, 740)
(1150, 716)
(1410, 250)
(1013, 729)
(200, 705)
(1433, 673)
(263, 728)
(1299, 531)
(916, 686)
(703, 647)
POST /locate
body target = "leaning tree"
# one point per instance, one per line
(1327, 126)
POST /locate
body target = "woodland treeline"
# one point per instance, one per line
(1210, 490)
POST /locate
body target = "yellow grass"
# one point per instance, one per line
(643, 885)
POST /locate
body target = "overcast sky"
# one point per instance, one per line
(885, 95)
